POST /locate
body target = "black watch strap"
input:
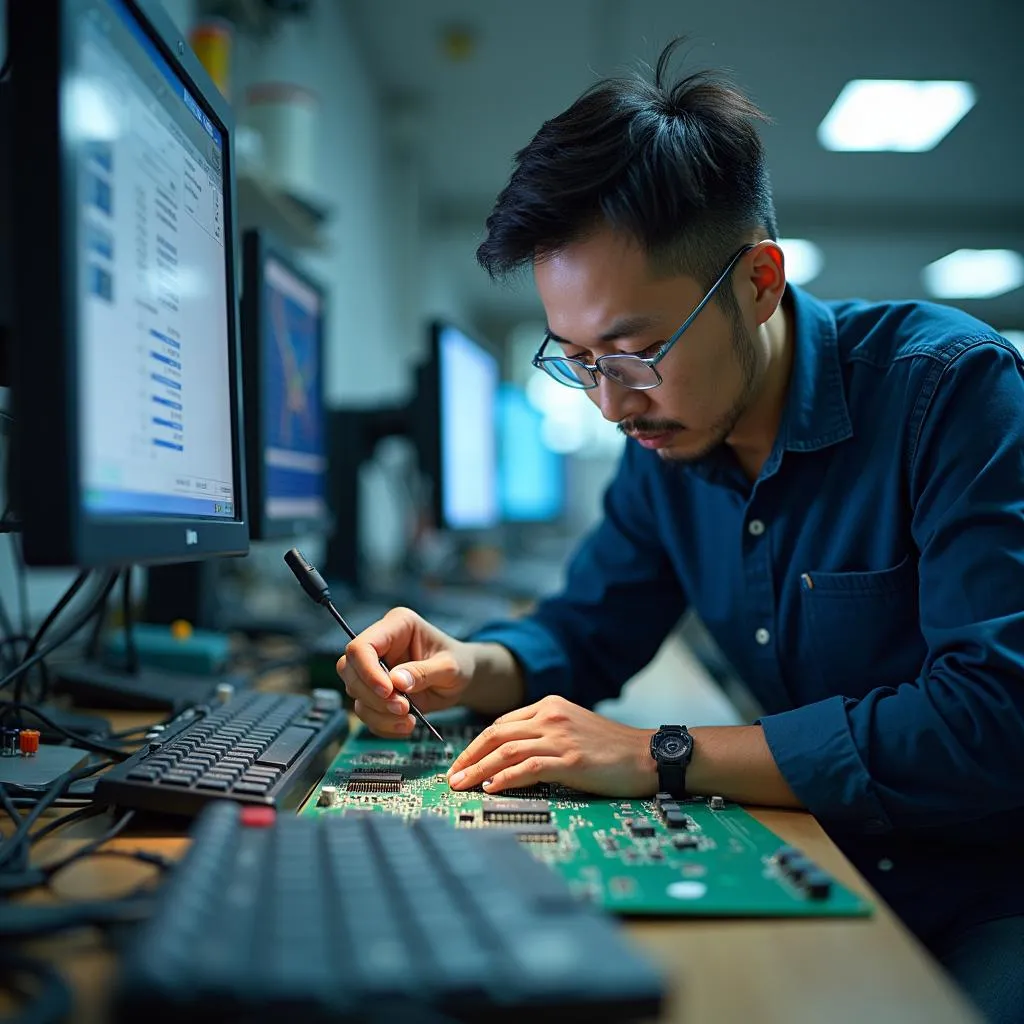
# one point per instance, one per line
(672, 779)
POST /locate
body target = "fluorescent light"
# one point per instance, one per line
(803, 260)
(1015, 338)
(974, 274)
(908, 117)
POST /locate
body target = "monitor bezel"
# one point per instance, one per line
(429, 440)
(56, 529)
(258, 246)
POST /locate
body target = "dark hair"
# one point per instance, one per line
(680, 168)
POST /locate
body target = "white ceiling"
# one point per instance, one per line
(878, 216)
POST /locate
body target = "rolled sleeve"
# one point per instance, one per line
(816, 754)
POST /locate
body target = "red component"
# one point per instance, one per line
(28, 741)
(258, 817)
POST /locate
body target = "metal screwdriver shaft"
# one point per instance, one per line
(315, 586)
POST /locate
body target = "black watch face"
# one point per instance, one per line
(671, 745)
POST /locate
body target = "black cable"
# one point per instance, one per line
(69, 632)
(47, 871)
(55, 790)
(36, 984)
(85, 742)
(11, 659)
(82, 814)
(28, 921)
(93, 646)
(22, 574)
(131, 654)
(66, 598)
(12, 813)
(31, 801)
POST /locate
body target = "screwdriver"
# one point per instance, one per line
(313, 584)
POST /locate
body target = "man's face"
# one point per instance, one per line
(601, 297)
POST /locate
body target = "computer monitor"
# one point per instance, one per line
(126, 389)
(531, 476)
(282, 359)
(457, 429)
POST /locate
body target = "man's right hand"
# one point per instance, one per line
(429, 665)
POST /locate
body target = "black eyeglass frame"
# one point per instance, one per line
(541, 362)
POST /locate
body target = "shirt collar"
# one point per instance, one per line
(816, 414)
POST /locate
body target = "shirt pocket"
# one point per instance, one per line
(863, 628)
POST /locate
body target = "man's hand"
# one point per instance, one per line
(424, 661)
(556, 741)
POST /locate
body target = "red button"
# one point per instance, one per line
(258, 817)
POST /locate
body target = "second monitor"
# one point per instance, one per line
(456, 431)
(282, 353)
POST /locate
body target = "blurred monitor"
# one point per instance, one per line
(282, 345)
(456, 431)
(126, 391)
(531, 477)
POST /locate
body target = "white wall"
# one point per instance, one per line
(368, 334)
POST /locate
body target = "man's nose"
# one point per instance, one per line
(618, 403)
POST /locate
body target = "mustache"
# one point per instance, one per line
(641, 426)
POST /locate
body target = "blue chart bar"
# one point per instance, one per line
(166, 423)
(160, 400)
(161, 379)
(166, 359)
(160, 443)
(165, 338)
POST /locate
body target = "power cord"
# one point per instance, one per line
(131, 654)
(65, 599)
(69, 632)
(31, 878)
(17, 844)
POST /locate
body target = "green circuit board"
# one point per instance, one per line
(707, 857)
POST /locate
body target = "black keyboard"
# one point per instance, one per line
(366, 918)
(257, 748)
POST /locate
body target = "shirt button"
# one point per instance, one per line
(762, 636)
(755, 527)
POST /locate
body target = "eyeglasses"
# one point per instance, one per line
(631, 371)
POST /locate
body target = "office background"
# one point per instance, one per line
(420, 107)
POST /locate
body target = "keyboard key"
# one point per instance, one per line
(286, 747)
(251, 788)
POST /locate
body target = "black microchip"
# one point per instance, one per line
(536, 833)
(676, 819)
(466, 818)
(639, 827)
(369, 780)
(534, 812)
(541, 789)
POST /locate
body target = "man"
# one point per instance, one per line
(835, 487)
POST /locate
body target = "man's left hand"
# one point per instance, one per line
(556, 741)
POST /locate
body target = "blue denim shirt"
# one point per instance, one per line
(868, 588)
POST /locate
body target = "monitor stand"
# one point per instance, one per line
(90, 684)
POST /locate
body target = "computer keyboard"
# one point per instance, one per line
(274, 918)
(257, 748)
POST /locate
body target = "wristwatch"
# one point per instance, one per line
(672, 748)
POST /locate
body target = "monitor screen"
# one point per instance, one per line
(468, 410)
(154, 385)
(531, 476)
(293, 429)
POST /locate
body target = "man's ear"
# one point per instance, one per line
(767, 278)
